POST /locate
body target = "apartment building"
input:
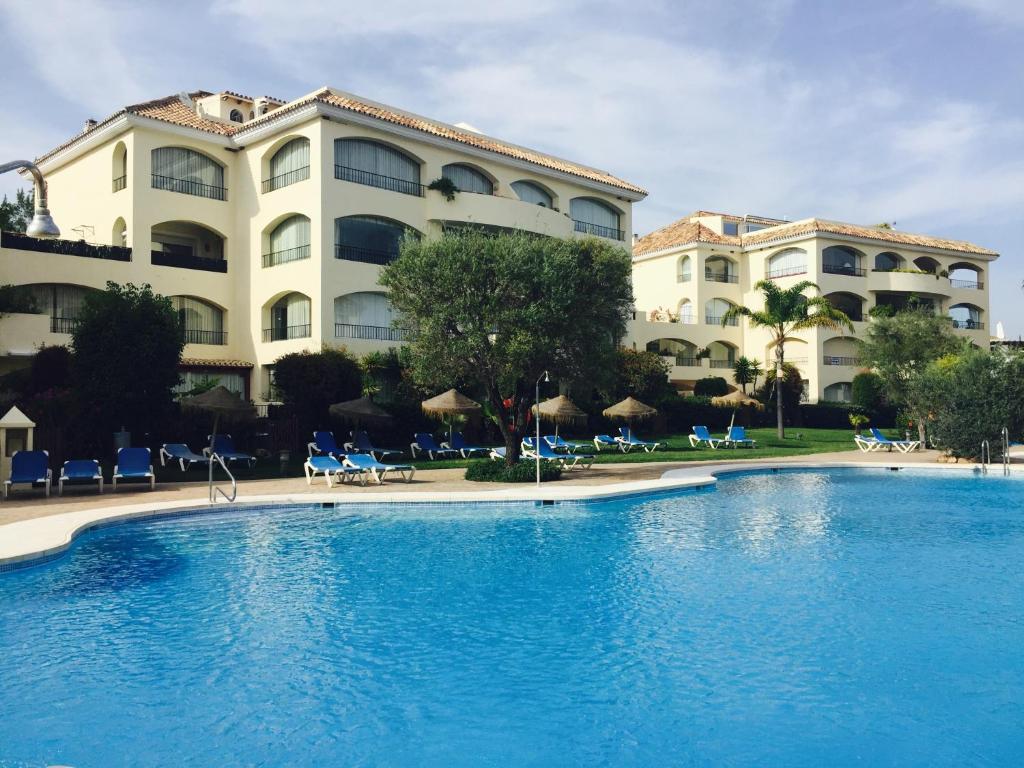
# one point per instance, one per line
(268, 222)
(688, 274)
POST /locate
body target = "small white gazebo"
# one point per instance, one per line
(16, 433)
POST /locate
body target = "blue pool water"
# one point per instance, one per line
(852, 618)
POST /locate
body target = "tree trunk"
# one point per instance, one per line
(779, 359)
(511, 435)
(921, 431)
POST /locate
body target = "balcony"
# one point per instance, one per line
(976, 284)
(839, 269)
(687, 361)
(185, 261)
(596, 229)
(365, 255)
(722, 363)
(22, 242)
(969, 325)
(847, 361)
(283, 333)
(907, 281)
(369, 179)
(283, 257)
(63, 324)
(371, 332)
(712, 320)
(775, 274)
(721, 277)
(189, 187)
(120, 183)
(196, 336)
(284, 179)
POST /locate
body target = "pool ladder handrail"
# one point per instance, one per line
(214, 490)
(986, 453)
(986, 456)
(1005, 434)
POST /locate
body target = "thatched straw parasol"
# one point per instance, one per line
(560, 410)
(735, 400)
(220, 401)
(448, 404)
(630, 409)
(360, 409)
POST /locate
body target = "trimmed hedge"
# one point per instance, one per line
(523, 472)
(710, 386)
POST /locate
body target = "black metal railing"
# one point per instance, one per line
(297, 253)
(720, 277)
(63, 324)
(712, 320)
(371, 332)
(833, 360)
(365, 255)
(120, 183)
(284, 179)
(369, 179)
(197, 336)
(186, 261)
(596, 229)
(721, 363)
(841, 269)
(281, 333)
(189, 187)
(966, 284)
(787, 272)
(23, 242)
(686, 360)
(969, 325)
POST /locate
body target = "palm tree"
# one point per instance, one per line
(745, 371)
(787, 312)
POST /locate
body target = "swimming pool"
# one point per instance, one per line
(798, 618)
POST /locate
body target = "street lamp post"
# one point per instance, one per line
(536, 416)
(42, 224)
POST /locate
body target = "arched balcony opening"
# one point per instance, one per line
(370, 239)
(119, 169)
(927, 264)
(595, 217)
(681, 351)
(534, 193)
(187, 245)
(796, 353)
(366, 315)
(287, 241)
(719, 269)
(965, 275)
(686, 312)
(183, 170)
(850, 303)
(63, 302)
(842, 260)
(468, 178)
(684, 269)
(966, 317)
(288, 317)
(840, 392)
(787, 262)
(714, 312)
(899, 302)
(375, 164)
(202, 321)
(288, 164)
(119, 233)
(722, 355)
(840, 351)
(888, 261)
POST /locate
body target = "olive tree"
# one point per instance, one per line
(497, 311)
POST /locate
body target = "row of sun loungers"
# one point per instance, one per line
(736, 437)
(32, 467)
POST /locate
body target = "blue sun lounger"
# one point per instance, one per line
(458, 443)
(361, 444)
(324, 444)
(628, 440)
(224, 447)
(558, 443)
(737, 438)
(565, 460)
(424, 442)
(702, 435)
(29, 467)
(378, 471)
(607, 441)
(134, 464)
(903, 446)
(79, 471)
(329, 467)
(182, 454)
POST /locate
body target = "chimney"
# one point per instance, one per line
(89, 125)
(636, 238)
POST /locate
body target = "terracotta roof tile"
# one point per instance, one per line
(196, 362)
(682, 232)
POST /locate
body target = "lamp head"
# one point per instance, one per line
(42, 225)
(546, 377)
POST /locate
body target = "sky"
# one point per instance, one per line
(905, 111)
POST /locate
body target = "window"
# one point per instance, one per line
(376, 165)
(849, 303)
(62, 302)
(683, 273)
(119, 234)
(841, 392)
(203, 322)
(236, 116)
(529, 192)
(468, 179)
(183, 170)
(887, 262)
(754, 227)
(714, 311)
(840, 260)
(595, 218)
(965, 275)
(721, 355)
(718, 269)
(120, 167)
(230, 380)
(683, 351)
(289, 318)
(730, 228)
(687, 314)
(289, 241)
(370, 239)
(288, 165)
(966, 317)
(187, 245)
(790, 261)
(366, 315)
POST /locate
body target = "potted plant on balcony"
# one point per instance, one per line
(445, 186)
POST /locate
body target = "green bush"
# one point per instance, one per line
(867, 391)
(711, 386)
(311, 381)
(522, 472)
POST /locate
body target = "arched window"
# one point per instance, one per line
(927, 264)
(849, 303)
(365, 315)
(289, 318)
(965, 275)
(595, 218)
(841, 351)
(789, 261)
(119, 234)
(202, 321)
(289, 241)
(683, 270)
(376, 165)
(178, 169)
(840, 392)
(187, 245)
(468, 179)
(120, 167)
(687, 313)
(714, 311)
(841, 260)
(966, 317)
(718, 269)
(288, 165)
(236, 116)
(62, 302)
(370, 239)
(683, 351)
(887, 261)
(721, 355)
(529, 192)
